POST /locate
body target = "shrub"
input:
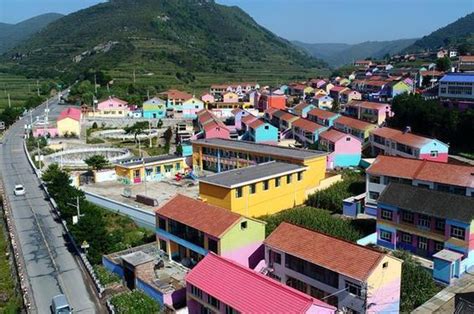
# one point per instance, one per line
(134, 302)
(105, 276)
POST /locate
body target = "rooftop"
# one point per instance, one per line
(176, 94)
(425, 170)
(398, 136)
(73, 113)
(137, 161)
(324, 114)
(429, 202)
(207, 218)
(264, 149)
(246, 290)
(344, 257)
(137, 258)
(242, 176)
(308, 125)
(369, 105)
(354, 123)
(333, 135)
(458, 77)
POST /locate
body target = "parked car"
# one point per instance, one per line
(19, 190)
(60, 305)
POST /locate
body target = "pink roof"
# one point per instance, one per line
(246, 290)
(73, 113)
(112, 102)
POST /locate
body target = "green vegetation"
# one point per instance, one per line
(10, 300)
(443, 64)
(152, 45)
(97, 162)
(417, 286)
(105, 277)
(134, 302)
(32, 143)
(458, 34)
(430, 118)
(137, 128)
(315, 219)
(105, 232)
(331, 198)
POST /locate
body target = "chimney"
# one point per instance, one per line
(407, 129)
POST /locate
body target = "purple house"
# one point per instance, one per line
(345, 149)
(238, 115)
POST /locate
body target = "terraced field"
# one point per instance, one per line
(19, 88)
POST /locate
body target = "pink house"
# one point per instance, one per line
(208, 98)
(113, 107)
(50, 130)
(222, 286)
(239, 114)
(210, 126)
(372, 112)
(345, 149)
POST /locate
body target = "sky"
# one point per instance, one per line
(313, 21)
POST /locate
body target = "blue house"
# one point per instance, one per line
(154, 108)
(432, 224)
(260, 131)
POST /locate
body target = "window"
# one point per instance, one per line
(311, 270)
(178, 166)
(238, 192)
(434, 153)
(423, 243)
(212, 245)
(299, 176)
(406, 238)
(288, 179)
(407, 216)
(374, 195)
(353, 288)
(385, 265)
(439, 246)
(297, 284)
(162, 223)
(253, 188)
(374, 179)
(277, 258)
(196, 292)
(243, 225)
(230, 310)
(213, 301)
(158, 169)
(440, 224)
(457, 232)
(387, 214)
(277, 182)
(424, 221)
(348, 139)
(265, 185)
(385, 235)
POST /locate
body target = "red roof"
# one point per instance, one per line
(354, 123)
(344, 257)
(307, 125)
(214, 124)
(207, 218)
(205, 116)
(176, 94)
(416, 169)
(369, 105)
(333, 135)
(248, 118)
(431, 73)
(256, 123)
(73, 113)
(401, 137)
(288, 117)
(323, 114)
(246, 290)
(376, 83)
(338, 89)
(466, 58)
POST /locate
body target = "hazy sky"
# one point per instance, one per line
(347, 21)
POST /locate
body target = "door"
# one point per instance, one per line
(129, 277)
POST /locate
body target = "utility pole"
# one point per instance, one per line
(149, 132)
(144, 176)
(9, 101)
(134, 76)
(77, 205)
(95, 83)
(37, 87)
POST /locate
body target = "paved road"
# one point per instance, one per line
(51, 266)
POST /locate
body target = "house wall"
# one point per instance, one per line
(347, 153)
(265, 133)
(69, 125)
(191, 107)
(52, 132)
(217, 132)
(126, 175)
(434, 145)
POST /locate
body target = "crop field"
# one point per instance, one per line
(19, 88)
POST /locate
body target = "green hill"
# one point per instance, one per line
(457, 34)
(12, 34)
(340, 54)
(161, 44)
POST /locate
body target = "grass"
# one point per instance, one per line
(105, 277)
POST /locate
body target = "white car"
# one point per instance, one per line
(19, 190)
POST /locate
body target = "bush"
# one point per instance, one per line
(134, 302)
(105, 276)
(315, 219)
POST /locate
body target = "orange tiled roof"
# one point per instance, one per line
(176, 94)
(207, 218)
(307, 125)
(324, 114)
(406, 138)
(368, 104)
(338, 255)
(333, 135)
(354, 123)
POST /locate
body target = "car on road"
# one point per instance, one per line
(19, 190)
(60, 305)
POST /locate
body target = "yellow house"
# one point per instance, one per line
(137, 170)
(308, 90)
(230, 97)
(254, 191)
(69, 122)
(320, 91)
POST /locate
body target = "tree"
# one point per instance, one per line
(97, 162)
(417, 284)
(336, 105)
(443, 64)
(159, 125)
(168, 135)
(179, 150)
(33, 101)
(9, 115)
(137, 128)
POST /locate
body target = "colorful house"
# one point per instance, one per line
(358, 128)
(260, 131)
(69, 122)
(432, 224)
(306, 131)
(112, 107)
(191, 106)
(396, 88)
(372, 112)
(208, 98)
(246, 120)
(210, 126)
(157, 168)
(345, 149)
(239, 114)
(323, 117)
(154, 108)
(41, 129)
(443, 177)
(254, 191)
(349, 95)
(188, 229)
(302, 109)
(394, 142)
(218, 285)
(323, 101)
(272, 100)
(336, 92)
(230, 97)
(175, 99)
(351, 277)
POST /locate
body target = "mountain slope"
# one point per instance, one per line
(339, 54)
(174, 41)
(13, 34)
(455, 34)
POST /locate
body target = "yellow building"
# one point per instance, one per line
(137, 170)
(69, 122)
(258, 190)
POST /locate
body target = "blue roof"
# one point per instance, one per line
(458, 77)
